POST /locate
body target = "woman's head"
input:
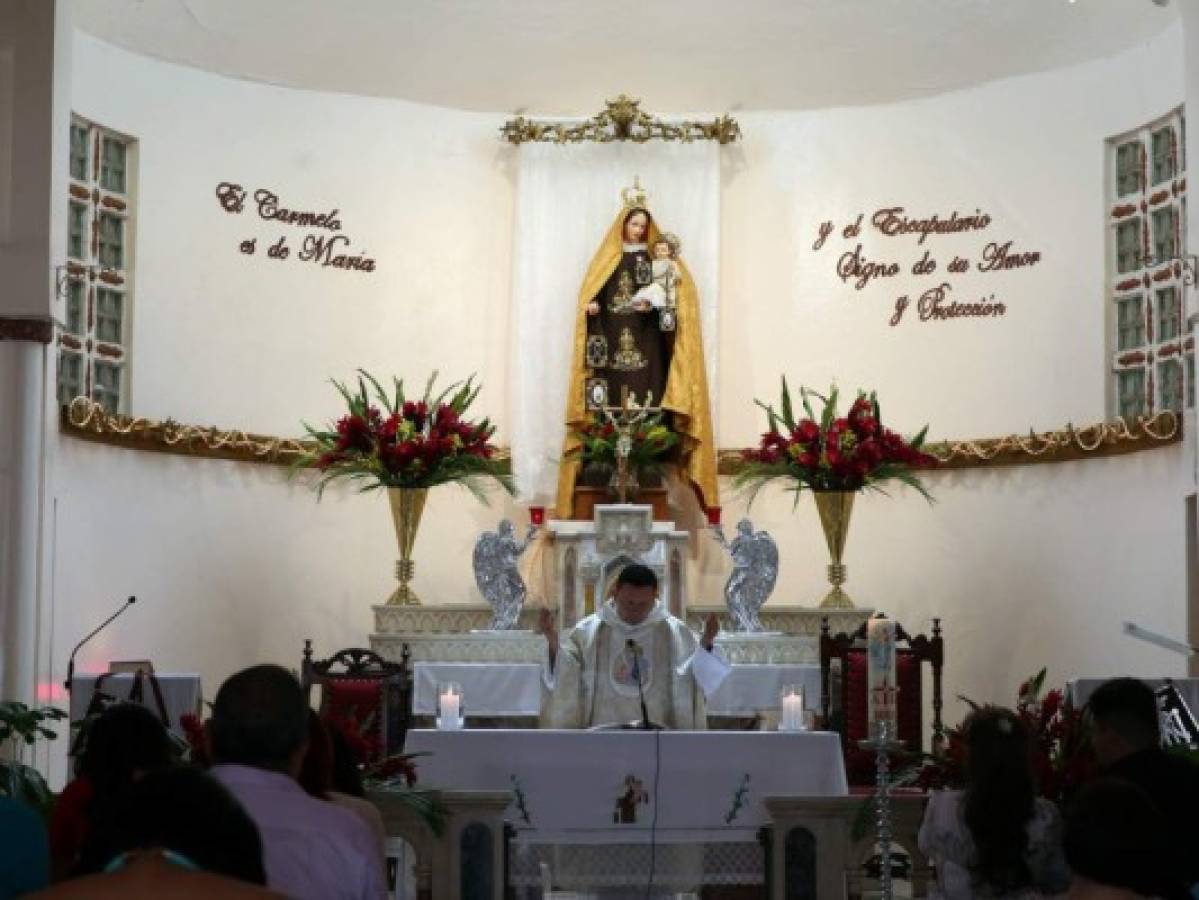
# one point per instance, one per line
(636, 226)
(1000, 796)
(183, 810)
(124, 743)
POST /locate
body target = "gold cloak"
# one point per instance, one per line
(686, 381)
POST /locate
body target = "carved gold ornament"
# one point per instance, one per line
(622, 120)
(85, 418)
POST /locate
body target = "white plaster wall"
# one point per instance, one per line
(234, 565)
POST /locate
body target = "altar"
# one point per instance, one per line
(587, 805)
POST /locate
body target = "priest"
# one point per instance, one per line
(631, 648)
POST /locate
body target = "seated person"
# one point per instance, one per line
(1127, 737)
(174, 833)
(24, 850)
(591, 677)
(996, 838)
(312, 849)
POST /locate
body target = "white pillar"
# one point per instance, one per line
(35, 49)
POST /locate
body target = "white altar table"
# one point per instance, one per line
(514, 689)
(692, 786)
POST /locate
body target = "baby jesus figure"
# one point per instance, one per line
(662, 291)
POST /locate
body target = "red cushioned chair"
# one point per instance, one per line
(849, 715)
(363, 693)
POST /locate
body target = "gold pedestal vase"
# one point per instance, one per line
(835, 508)
(407, 505)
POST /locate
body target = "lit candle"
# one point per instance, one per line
(449, 704)
(792, 713)
(537, 515)
(881, 674)
(713, 515)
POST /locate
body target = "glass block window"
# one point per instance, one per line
(1132, 393)
(77, 231)
(79, 152)
(112, 241)
(1130, 324)
(109, 316)
(1169, 380)
(1128, 168)
(93, 341)
(1164, 244)
(1169, 314)
(1150, 366)
(1128, 246)
(70, 376)
(76, 308)
(112, 164)
(1163, 154)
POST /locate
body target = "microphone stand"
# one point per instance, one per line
(645, 724)
(71, 662)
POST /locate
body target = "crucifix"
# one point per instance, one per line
(625, 419)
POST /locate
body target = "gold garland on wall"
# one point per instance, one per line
(621, 120)
(85, 418)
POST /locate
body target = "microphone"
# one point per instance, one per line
(646, 725)
(71, 662)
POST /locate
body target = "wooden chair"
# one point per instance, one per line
(364, 693)
(850, 716)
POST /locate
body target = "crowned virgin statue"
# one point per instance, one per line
(637, 330)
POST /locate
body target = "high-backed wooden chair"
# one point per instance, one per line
(365, 693)
(849, 716)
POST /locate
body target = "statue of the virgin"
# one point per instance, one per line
(625, 341)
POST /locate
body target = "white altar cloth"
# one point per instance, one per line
(514, 689)
(709, 785)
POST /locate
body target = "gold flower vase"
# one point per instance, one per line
(835, 508)
(407, 505)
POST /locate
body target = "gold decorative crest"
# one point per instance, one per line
(622, 120)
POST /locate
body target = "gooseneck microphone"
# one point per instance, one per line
(71, 662)
(646, 725)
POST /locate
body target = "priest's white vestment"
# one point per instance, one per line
(594, 678)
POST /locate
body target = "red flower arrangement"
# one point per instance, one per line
(1059, 739)
(386, 440)
(197, 746)
(651, 443)
(830, 452)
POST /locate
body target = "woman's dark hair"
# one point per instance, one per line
(347, 778)
(316, 771)
(184, 810)
(632, 212)
(1000, 797)
(125, 740)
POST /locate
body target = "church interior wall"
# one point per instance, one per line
(236, 563)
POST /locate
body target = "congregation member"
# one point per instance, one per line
(174, 833)
(24, 850)
(124, 743)
(1127, 739)
(995, 838)
(323, 775)
(592, 676)
(312, 849)
(1115, 843)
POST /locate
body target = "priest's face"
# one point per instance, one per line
(634, 603)
(635, 226)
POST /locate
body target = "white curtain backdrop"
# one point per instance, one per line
(566, 198)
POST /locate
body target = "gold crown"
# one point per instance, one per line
(635, 197)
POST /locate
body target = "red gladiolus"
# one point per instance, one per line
(807, 431)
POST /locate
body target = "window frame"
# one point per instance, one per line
(104, 267)
(1155, 205)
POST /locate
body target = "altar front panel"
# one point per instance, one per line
(576, 786)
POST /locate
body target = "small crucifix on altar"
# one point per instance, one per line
(625, 419)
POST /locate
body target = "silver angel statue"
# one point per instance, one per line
(755, 570)
(496, 574)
